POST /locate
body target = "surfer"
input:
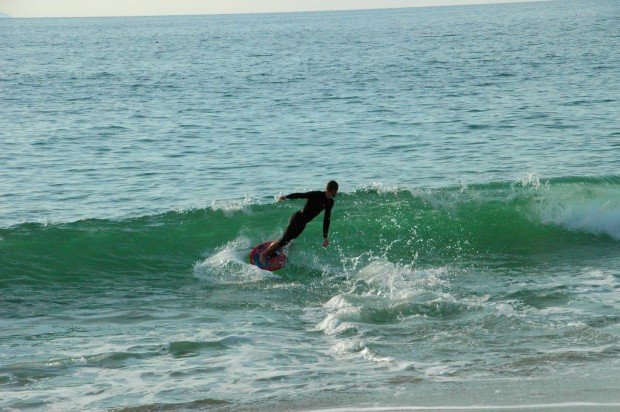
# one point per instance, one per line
(316, 203)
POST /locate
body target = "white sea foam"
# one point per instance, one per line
(399, 281)
(505, 309)
(374, 357)
(235, 205)
(228, 265)
(333, 325)
(440, 371)
(340, 318)
(530, 179)
(346, 347)
(595, 211)
(380, 290)
(380, 188)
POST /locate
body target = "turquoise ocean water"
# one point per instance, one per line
(475, 256)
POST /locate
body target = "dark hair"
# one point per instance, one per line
(332, 185)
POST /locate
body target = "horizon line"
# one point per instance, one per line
(489, 2)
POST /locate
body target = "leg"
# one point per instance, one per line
(295, 227)
(272, 248)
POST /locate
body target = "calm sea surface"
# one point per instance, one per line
(475, 256)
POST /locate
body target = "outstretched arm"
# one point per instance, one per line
(297, 196)
(326, 221)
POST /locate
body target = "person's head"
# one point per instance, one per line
(332, 188)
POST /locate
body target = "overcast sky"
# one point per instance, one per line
(80, 8)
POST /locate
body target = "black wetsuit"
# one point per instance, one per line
(316, 203)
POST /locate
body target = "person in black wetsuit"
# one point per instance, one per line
(316, 203)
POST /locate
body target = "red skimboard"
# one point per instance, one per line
(276, 261)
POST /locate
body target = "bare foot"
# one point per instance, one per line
(262, 258)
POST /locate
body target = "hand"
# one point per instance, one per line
(325, 242)
(281, 198)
